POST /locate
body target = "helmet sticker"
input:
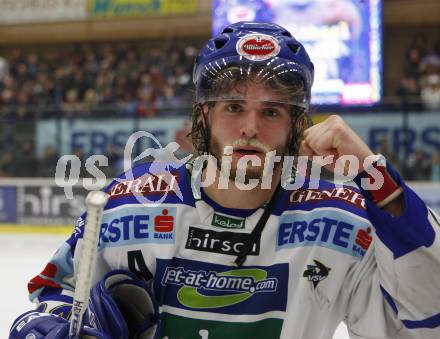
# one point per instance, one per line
(258, 47)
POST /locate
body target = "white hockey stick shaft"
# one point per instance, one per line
(95, 203)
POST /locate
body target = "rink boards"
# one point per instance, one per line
(36, 229)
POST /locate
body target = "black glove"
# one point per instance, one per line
(123, 306)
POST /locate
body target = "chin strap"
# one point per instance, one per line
(256, 232)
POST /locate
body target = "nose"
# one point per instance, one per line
(250, 125)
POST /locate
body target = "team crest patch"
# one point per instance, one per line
(316, 273)
(258, 47)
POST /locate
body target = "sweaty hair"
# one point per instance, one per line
(227, 80)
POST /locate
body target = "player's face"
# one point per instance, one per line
(253, 124)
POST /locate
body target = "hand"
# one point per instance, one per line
(123, 306)
(37, 325)
(335, 138)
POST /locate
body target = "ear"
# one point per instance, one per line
(204, 108)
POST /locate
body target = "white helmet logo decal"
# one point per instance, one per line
(258, 47)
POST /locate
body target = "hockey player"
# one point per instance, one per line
(235, 259)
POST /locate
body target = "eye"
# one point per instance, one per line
(233, 108)
(271, 112)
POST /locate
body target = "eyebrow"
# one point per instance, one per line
(239, 101)
(268, 102)
(276, 104)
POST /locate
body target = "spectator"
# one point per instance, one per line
(47, 163)
(127, 105)
(168, 102)
(385, 150)
(409, 91)
(430, 80)
(24, 161)
(412, 63)
(7, 97)
(23, 109)
(420, 85)
(430, 92)
(90, 101)
(32, 65)
(417, 166)
(115, 163)
(72, 107)
(82, 160)
(6, 164)
(421, 43)
(431, 61)
(146, 106)
(4, 68)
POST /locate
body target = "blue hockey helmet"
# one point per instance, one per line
(264, 52)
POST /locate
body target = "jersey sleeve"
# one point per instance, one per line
(397, 288)
(52, 289)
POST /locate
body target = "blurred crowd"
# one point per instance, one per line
(414, 165)
(420, 83)
(24, 163)
(122, 79)
(148, 79)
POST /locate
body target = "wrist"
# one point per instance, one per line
(379, 182)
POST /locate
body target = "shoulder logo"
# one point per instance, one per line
(147, 184)
(258, 47)
(316, 273)
(334, 194)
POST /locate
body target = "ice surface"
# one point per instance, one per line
(22, 256)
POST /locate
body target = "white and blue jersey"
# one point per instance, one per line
(326, 255)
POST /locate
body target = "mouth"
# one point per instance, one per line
(248, 151)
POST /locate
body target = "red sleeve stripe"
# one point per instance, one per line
(39, 282)
(50, 270)
(390, 198)
(388, 188)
